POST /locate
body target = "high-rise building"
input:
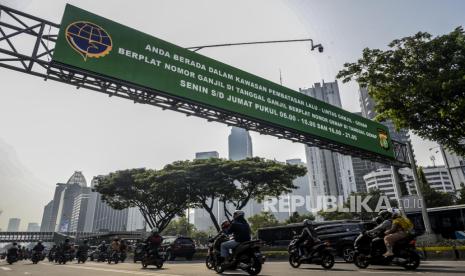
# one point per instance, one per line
(383, 180)
(456, 165)
(33, 227)
(73, 188)
(207, 155)
(240, 144)
(438, 179)
(46, 217)
(78, 216)
(361, 168)
(330, 173)
(136, 221)
(101, 217)
(13, 225)
(302, 191)
(57, 198)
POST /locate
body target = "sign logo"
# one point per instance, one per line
(88, 39)
(383, 139)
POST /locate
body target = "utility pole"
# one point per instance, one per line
(424, 211)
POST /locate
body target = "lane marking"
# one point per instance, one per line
(5, 268)
(116, 270)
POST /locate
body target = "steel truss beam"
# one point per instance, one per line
(37, 60)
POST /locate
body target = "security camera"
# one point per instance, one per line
(320, 49)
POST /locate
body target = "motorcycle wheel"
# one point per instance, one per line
(255, 268)
(209, 262)
(116, 260)
(413, 261)
(361, 261)
(294, 260)
(348, 254)
(220, 268)
(144, 264)
(159, 265)
(109, 261)
(327, 260)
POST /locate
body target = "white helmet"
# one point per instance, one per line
(154, 230)
(238, 213)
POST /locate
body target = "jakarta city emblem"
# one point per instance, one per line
(383, 139)
(88, 39)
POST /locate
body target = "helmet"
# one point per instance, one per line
(116, 239)
(238, 213)
(15, 243)
(66, 240)
(86, 241)
(103, 242)
(385, 214)
(308, 222)
(378, 220)
(396, 213)
(154, 230)
(225, 224)
(39, 242)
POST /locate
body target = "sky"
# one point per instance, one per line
(49, 129)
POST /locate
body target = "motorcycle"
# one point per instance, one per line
(319, 254)
(51, 255)
(115, 256)
(138, 254)
(123, 257)
(152, 258)
(82, 257)
(63, 257)
(246, 256)
(11, 258)
(369, 249)
(36, 257)
(102, 256)
(214, 250)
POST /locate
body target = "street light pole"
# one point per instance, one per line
(424, 211)
(313, 46)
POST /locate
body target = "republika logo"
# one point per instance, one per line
(88, 39)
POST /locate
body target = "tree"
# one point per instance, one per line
(419, 84)
(432, 197)
(205, 181)
(461, 194)
(158, 196)
(296, 218)
(260, 220)
(257, 178)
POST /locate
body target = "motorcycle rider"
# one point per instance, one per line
(83, 248)
(13, 250)
(401, 228)
(115, 246)
(308, 237)
(384, 221)
(240, 230)
(153, 242)
(123, 248)
(65, 247)
(38, 248)
(52, 252)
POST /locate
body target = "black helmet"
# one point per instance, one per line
(66, 240)
(39, 242)
(15, 243)
(238, 213)
(86, 241)
(308, 222)
(385, 214)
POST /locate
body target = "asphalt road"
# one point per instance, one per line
(197, 268)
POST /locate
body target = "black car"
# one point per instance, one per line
(341, 236)
(173, 247)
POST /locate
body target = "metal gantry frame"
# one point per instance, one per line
(35, 58)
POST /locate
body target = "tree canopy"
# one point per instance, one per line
(158, 196)
(296, 217)
(419, 84)
(260, 220)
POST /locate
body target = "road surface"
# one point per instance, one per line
(45, 268)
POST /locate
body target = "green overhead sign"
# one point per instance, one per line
(99, 45)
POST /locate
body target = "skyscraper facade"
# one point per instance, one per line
(13, 225)
(73, 188)
(330, 173)
(239, 144)
(101, 217)
(78, 216)
(438, 179)
(456, 166)
(46, 217)
(207, 155)
(33, 227)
